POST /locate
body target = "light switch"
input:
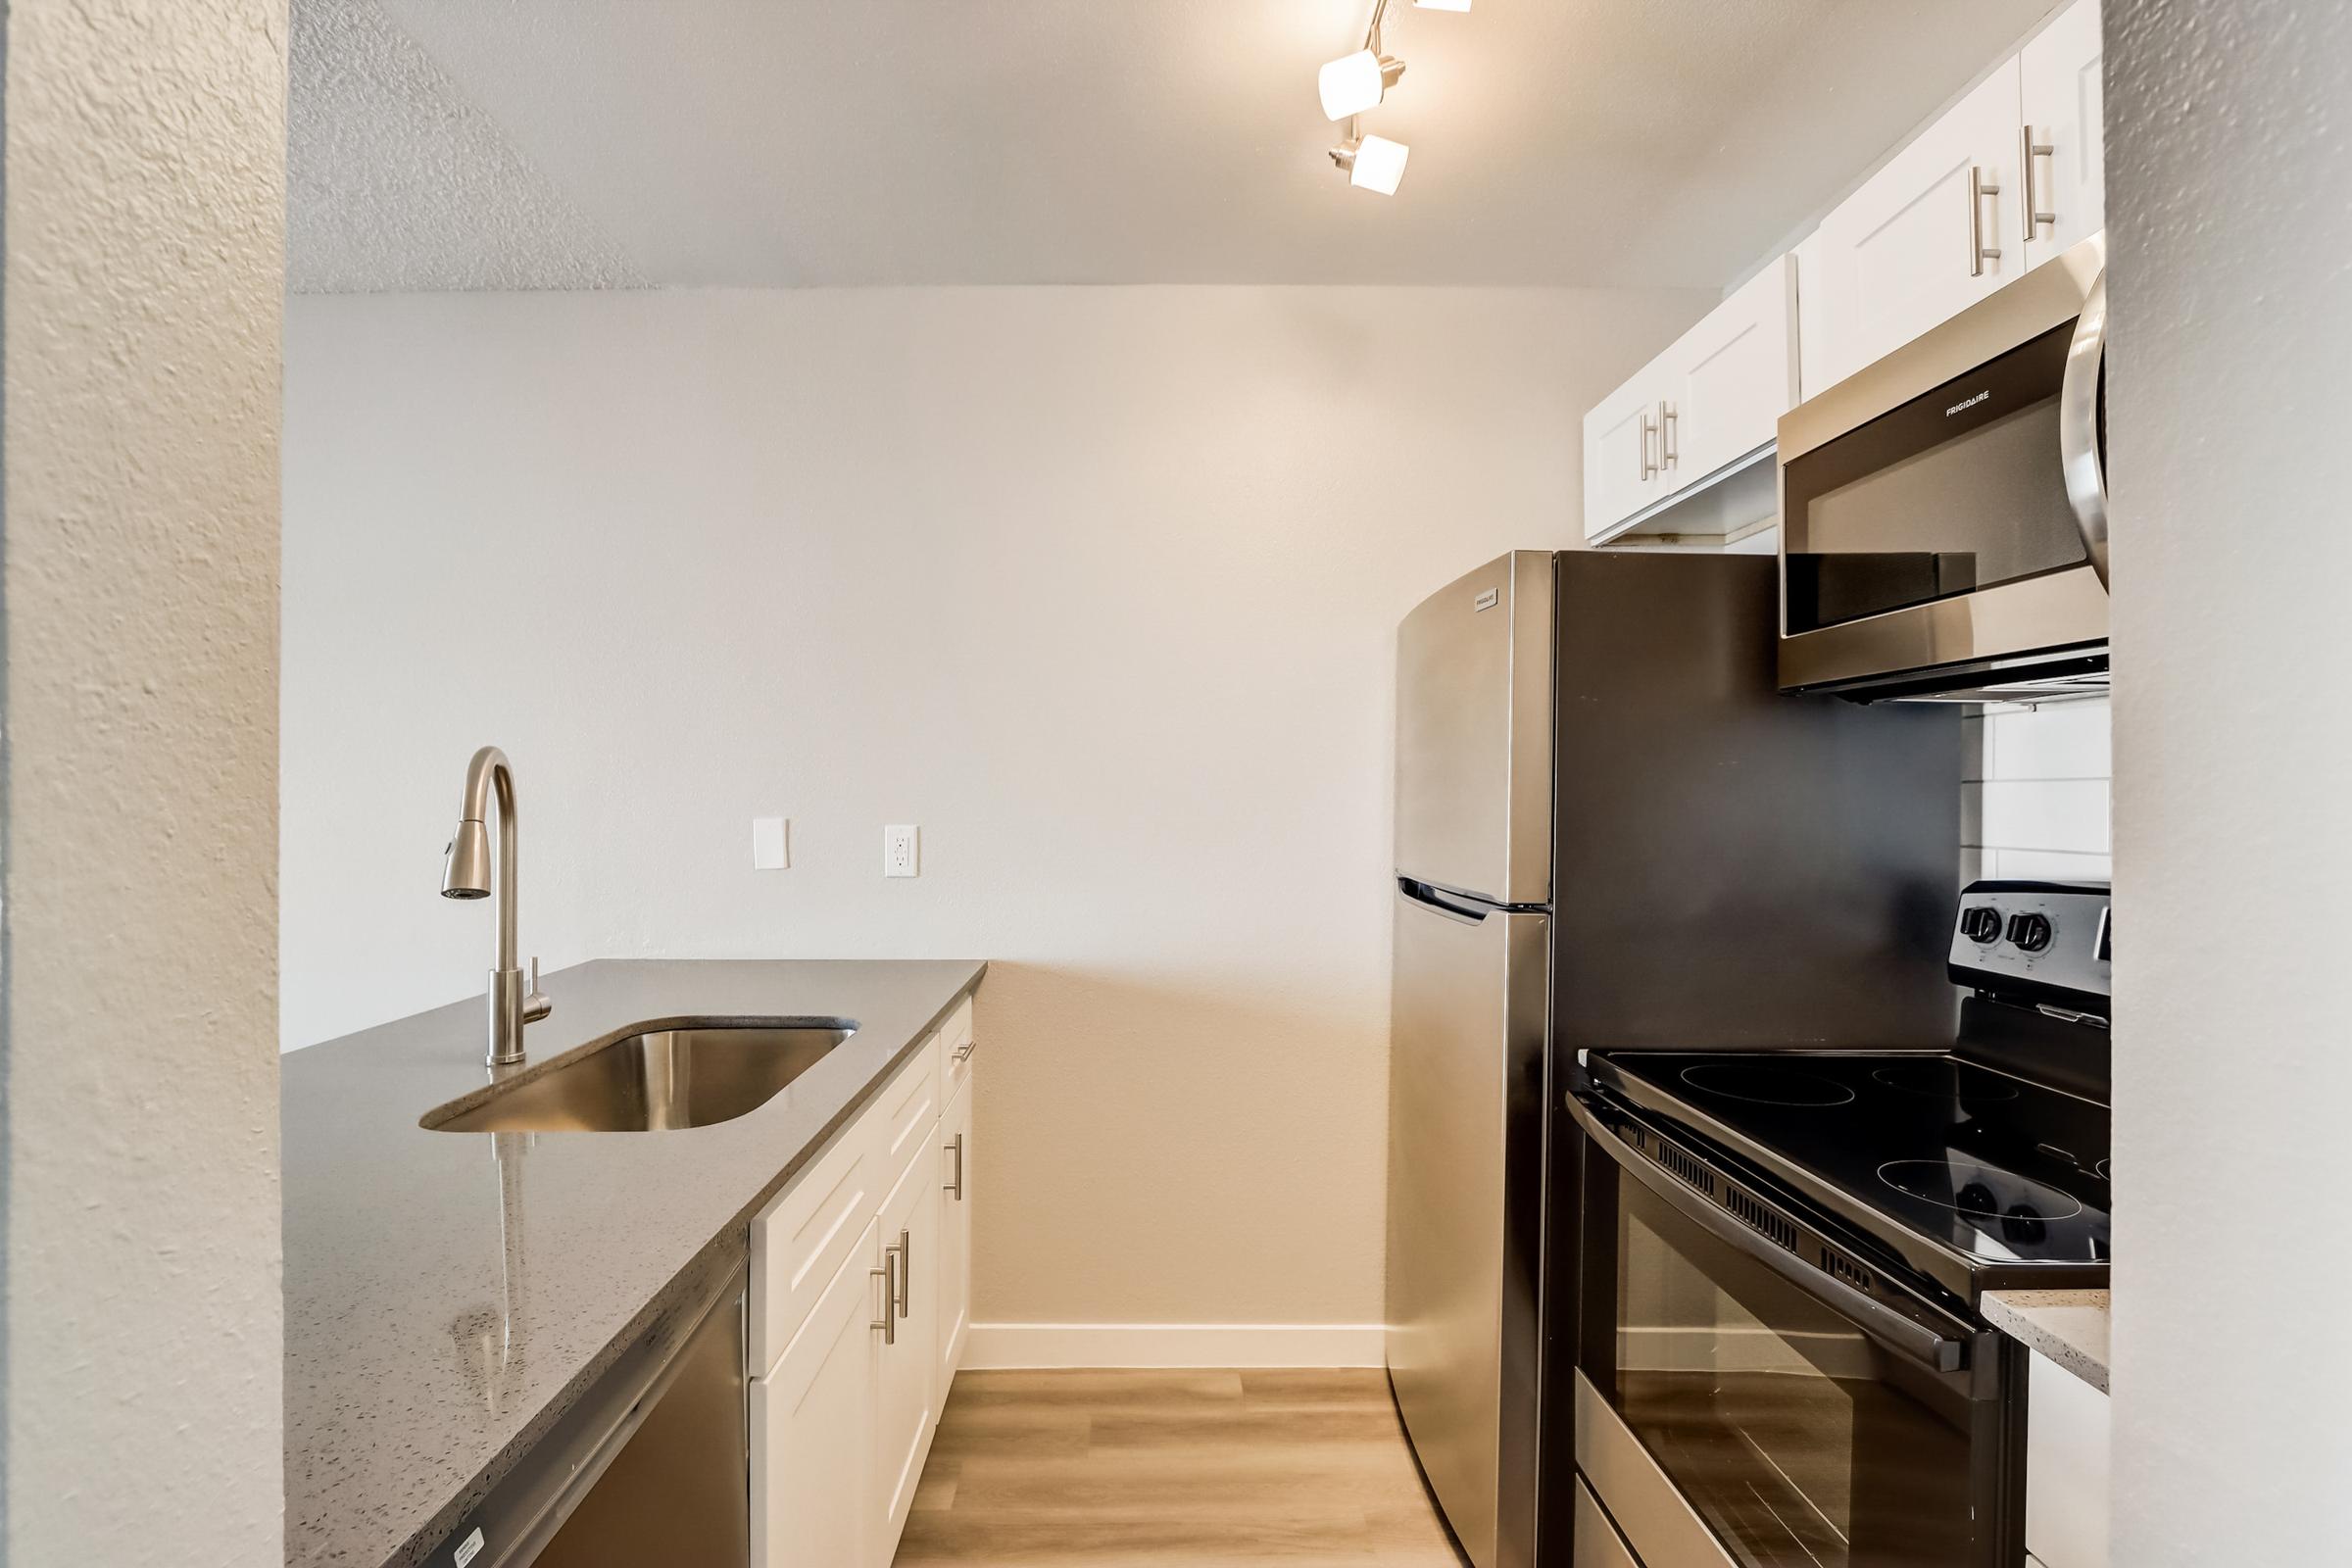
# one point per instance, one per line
(771, 843)
(901, 850)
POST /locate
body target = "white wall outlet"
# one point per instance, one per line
(902, 850)
(771, 843)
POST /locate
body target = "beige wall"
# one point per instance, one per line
(2228, 229)
(1099, 587)
(145, 191)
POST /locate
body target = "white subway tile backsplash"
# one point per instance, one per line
(2042, 814)
(2034, 802)
(2064, 740)
(2044, 865)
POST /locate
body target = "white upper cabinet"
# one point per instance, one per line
(2011, 175)
(1924, 238)
(1711, 400)
(1621, 455)
(2066, 178)
(1730, 378)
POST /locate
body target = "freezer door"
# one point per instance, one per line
(1474, 734)
(1465, 1135)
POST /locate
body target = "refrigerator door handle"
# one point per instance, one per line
(1441, 902)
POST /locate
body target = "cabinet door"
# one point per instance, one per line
(1621, 455)
(811, 1426)
(955, 1237)
(1916, 244)
(1731, 378)
(2066, 1467)
(2059, 84)
(905, 1398)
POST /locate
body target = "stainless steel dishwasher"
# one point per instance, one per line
(650, 1466)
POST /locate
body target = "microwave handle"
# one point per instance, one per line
(2079, 425)
(1898, 1332)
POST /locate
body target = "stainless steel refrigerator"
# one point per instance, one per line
(1612, 830)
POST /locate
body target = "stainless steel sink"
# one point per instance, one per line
(693, 1073)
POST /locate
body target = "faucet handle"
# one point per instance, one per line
(535, 1003)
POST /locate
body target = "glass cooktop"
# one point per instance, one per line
(2005, 1174)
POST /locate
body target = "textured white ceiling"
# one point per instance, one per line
(568, 143)
(397, 180)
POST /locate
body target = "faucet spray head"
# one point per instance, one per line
(466, 873)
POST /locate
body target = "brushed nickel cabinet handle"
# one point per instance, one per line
(2034, 219)
(906, 1269)
(1979, 252)
(1670, 454)
(1649, 469)
(888, 1275)
(956, 1186)
(963, 1053)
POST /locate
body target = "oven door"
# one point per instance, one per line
(1934, 514)
(1736, 1405)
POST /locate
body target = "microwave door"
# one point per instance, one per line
(1937, 507)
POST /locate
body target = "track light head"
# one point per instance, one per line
(1356, 82)
(1372, 163)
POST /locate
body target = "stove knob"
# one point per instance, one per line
(2030, 932)
(1981, 924)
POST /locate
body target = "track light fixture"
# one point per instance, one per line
(1354, 83)
(1372, 163)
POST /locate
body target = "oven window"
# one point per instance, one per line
(1955, 491)
(1799, 1441)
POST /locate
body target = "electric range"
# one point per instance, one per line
(1974, 1177)
(1781, 1256)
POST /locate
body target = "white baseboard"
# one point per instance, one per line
(1005, 1345)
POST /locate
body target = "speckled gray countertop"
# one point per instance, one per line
(2069, 1327)
(449, 1294)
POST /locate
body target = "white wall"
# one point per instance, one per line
(2034, 805)
(2228, 401)
(145, 181)
(1099, 587)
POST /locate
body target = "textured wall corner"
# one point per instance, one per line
(2228, 128)
(400, 181)
(143, 297)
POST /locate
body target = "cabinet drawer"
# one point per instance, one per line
(955, 1052)
(801, 1239)
(905, 1112)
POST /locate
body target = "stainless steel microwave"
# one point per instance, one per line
(1943, 513)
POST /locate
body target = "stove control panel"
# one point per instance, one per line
(2038, 941)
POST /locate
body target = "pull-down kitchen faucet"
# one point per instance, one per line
(465, 875)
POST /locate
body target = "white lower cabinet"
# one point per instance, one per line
(812, 1417)
(905, 1405)
(955, 1235)
(2066, 1468)
(841, 1421)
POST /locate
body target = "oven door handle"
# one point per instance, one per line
(1896, 1331)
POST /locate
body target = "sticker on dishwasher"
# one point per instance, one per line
(1489, 599)
(470, 1547)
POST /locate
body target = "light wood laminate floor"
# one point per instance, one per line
(1153, 1469)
